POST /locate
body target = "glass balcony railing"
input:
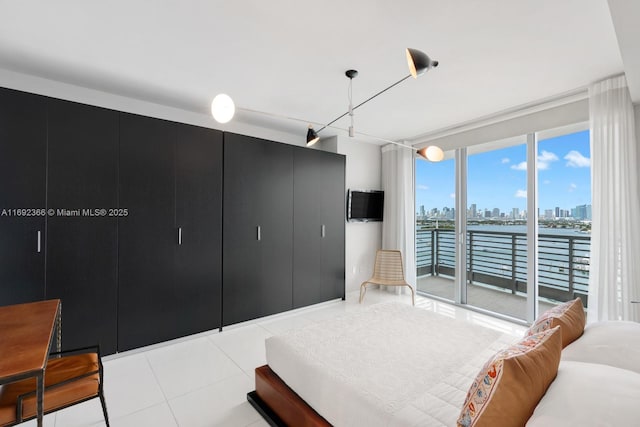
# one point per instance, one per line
(499, 259)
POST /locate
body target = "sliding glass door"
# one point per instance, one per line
(564, 220)
(522, 240)
(435, 230)
(496, 227)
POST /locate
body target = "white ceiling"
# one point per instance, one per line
(289, 57)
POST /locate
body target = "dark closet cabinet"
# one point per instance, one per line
(169, 277)
(121, 217)
(82, 234)
(23, 139)
(198, 261)
(318, 227)
(257, 224)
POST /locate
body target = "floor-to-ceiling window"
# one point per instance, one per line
(496, 227)
(435, 232)
(564, 216)
(500, 210)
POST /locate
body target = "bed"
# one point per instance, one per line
(386, 364)
(392, 364)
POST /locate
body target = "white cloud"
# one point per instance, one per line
(576, 160)
(423, 187)
(572, 187)
(506, 160)
(522, 166)
(545, 158)
(452, 195)
(521, 194)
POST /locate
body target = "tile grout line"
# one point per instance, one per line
(166, 401)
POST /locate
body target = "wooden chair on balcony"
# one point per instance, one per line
(388, 271)
(70, 377)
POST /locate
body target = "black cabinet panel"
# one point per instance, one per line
(308, 278)
(198, 278)
(332, 206)
(258, 228)
(81, 244)
(318, 248)
(147, 238)
(23, 127)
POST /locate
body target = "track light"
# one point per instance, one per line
(418, 63)
(433, 153)
(312, 136)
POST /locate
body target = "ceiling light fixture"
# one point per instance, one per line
(418, 63)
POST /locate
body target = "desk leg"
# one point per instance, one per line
(59, 329)
(39, 395)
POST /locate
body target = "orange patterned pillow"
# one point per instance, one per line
(512, 382)
(569, 316)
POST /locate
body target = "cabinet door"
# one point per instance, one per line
(308, 180)
(318, 267)
(276, 245)
(23, 138)
(82, 244)
(332, 208)
(147, 237)
(198, 279)
(258, 223)
(241, 249)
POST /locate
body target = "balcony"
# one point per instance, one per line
(497, 267)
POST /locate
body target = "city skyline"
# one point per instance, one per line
(497, 179)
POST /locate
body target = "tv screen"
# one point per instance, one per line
(365, 206)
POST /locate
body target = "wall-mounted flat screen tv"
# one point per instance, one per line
(365, 205)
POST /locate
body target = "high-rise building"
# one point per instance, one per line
(496, 213)
(487, 213)
(515, 213)
(474, 211)
(557, 212)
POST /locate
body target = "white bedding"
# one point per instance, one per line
(387, 364)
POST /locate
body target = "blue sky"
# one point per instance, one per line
(497, 179)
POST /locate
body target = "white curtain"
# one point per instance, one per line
(614, 277)
(399, 217)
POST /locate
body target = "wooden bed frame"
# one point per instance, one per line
(279, 405)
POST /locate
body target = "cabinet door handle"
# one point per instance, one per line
(323, 231)
(259, 233)
(39, 241)
(179, 235)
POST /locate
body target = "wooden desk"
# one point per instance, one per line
(26, 335)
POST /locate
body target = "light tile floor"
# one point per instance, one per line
(202, 380)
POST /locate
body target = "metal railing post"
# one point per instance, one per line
(470, 266)
(434, 246)
(571, 240)
(514, 285)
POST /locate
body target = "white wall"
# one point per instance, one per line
(362, 239)
(637, 109)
